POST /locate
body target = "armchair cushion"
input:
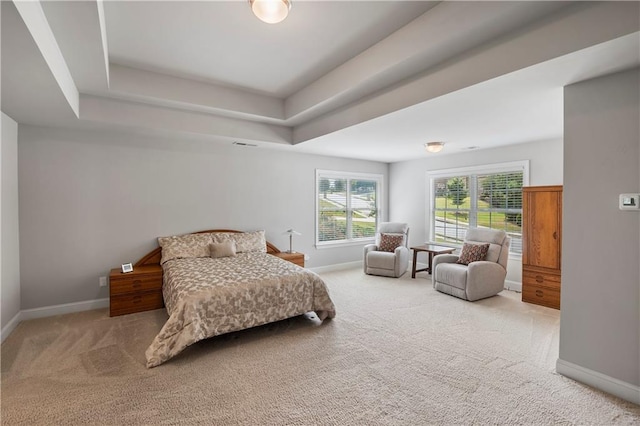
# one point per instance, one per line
(389, 242)
(472, 253)
(381, 260)
(454, 274)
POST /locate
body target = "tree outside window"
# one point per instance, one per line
(477, 199)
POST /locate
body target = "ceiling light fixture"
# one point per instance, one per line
(434, 146)
(271, 11)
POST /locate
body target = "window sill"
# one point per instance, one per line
(322, 246)
(512, 256)
(515, 256)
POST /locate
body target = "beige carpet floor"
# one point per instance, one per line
(397, 353)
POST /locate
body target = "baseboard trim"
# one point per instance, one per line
(49, 311)
(337, 267)
(65, 308)
(513, 286)
(11, 325)
(608, 384)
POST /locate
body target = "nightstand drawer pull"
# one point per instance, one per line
(539, 278)
(136, 284)
(539, 293)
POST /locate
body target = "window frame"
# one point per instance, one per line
(348, 176)
(507, 167)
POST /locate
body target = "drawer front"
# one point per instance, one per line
(540, 279)
(135, 302)
(298, 261)
(135, 283)
(296, 258)
(541, 296)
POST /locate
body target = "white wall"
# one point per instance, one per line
(10, 269)
(409, 201)
(90, 201)
(600, 316)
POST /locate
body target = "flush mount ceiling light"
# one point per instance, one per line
(434, 146)
(270, 11)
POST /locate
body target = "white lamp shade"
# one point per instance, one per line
(271, 11)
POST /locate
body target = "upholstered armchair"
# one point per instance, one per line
(478, 279)
(389, 256)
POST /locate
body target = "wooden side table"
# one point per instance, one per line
(297, 258)
(433, 250)
(137, 291)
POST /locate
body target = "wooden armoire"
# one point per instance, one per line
(541, 245)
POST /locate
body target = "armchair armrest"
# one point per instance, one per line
(492, 268)
(401, 251)
(444, 258)
(402, 260)
(484, 279)
(368, 248)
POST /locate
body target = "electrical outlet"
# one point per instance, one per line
(306, 257)
(103, 281)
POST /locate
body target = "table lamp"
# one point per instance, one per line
(291, 233)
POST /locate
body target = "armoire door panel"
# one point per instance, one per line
(544, 233)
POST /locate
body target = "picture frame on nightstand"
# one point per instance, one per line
(127, 267)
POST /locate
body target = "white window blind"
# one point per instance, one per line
(484, 197)
(347, 206)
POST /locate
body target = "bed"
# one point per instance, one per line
(208, 291)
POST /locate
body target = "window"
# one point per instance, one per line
(347, 206)
(484, 197)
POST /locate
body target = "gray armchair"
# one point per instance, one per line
(388, 264)
(477, 280)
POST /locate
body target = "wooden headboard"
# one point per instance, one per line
(153, 257)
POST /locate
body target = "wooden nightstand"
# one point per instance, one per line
(297, 258)
(137, 291)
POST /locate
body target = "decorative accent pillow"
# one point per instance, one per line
(472, 253)
(389, 242)
(184, 246)
(225, 249)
